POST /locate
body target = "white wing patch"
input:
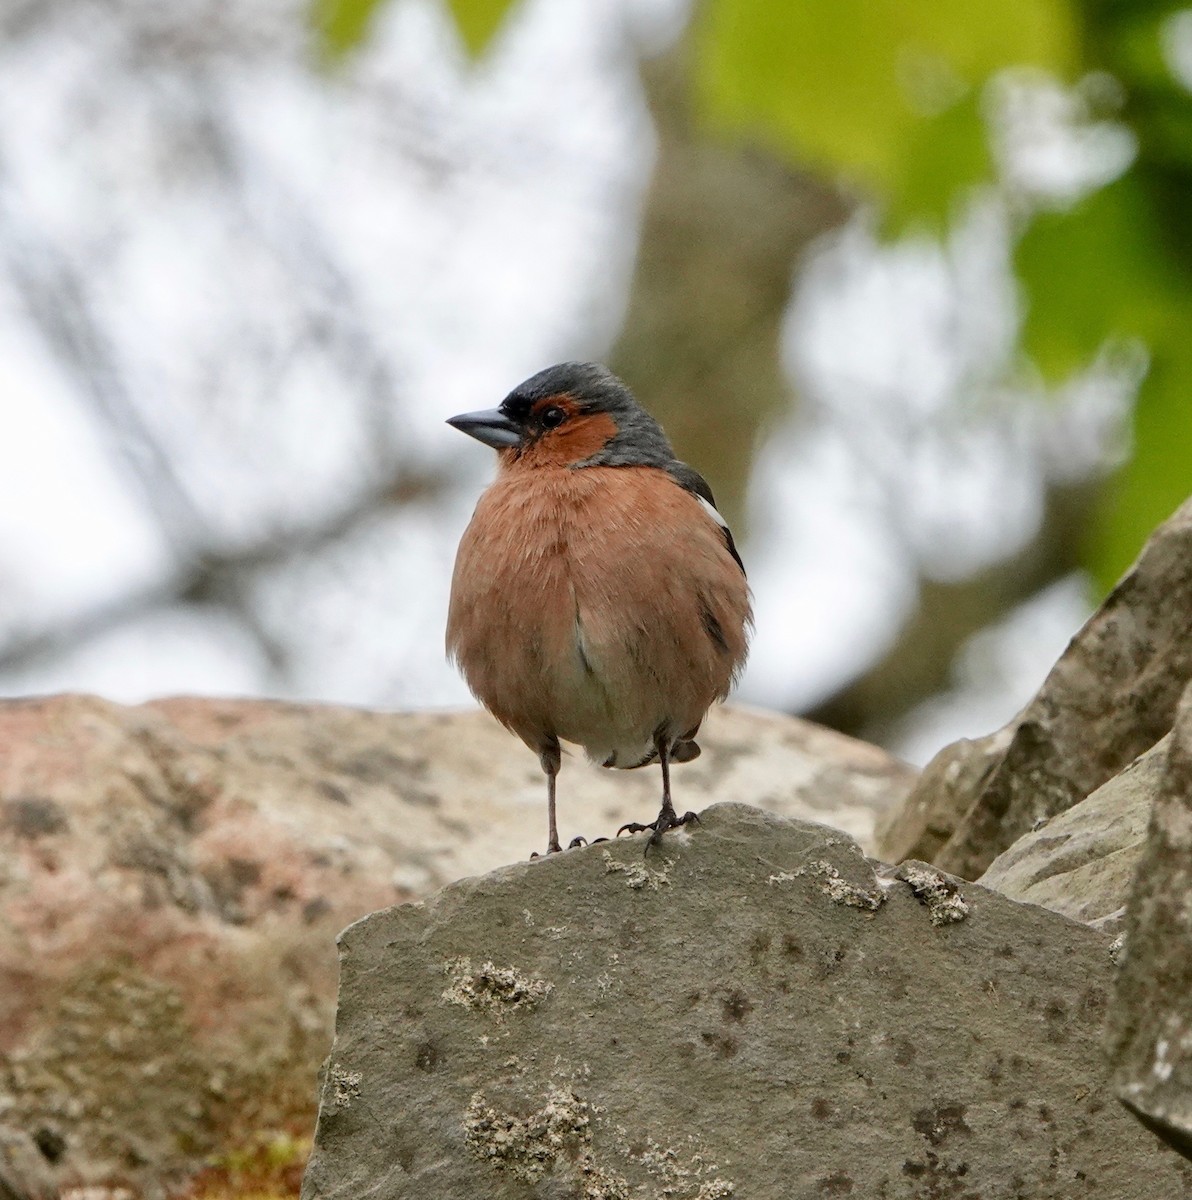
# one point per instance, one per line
(711, 512)
(710, 509)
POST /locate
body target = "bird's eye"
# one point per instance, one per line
(553, 417)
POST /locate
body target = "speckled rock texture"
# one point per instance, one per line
(1151, 1018)
(753, 1011)
(172, 878)
(920, 826)
(1082, 863)
(1110, 698)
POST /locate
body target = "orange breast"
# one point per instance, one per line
(597, 605)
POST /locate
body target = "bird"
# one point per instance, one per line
(598, 597)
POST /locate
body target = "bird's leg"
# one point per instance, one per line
(550, 759)
(552, 844)
(668, 808)
(667, 818)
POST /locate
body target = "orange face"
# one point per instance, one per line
(564, 434)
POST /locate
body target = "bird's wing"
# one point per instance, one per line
(692, 481)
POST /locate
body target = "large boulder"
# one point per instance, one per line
(1151, 1020)
(750, 1010)
(172, 878)
(1082, 863)
(1110, 698)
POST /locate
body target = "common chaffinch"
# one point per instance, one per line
(597, 597)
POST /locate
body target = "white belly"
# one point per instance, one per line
(611, 734)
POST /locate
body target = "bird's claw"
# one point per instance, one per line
(666, 819)
(669, 820)
(578, 840)
(633, 827)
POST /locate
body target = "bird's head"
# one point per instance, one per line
(572, 414)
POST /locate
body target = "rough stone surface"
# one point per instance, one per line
(926, 819)
(939, 892)
(1110, 698)
(724, 1019)
(172, 878)
(1151, 1020)
(1082, 862)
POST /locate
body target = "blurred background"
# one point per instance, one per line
(910, 281)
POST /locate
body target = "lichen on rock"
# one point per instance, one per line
(489, 988)
(344, 1084)
(637, 874)
(936, 890)
(555, 1136)
(834, 885)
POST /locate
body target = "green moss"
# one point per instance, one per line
(267, 1167)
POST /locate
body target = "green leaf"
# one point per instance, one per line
(885, 91)
(1158, 477)
(1105, 271)
(945, 156)
(1101, 270)
(478, 21)
(342, 24)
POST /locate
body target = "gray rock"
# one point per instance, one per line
(1110, 698)
(1151, 1021)
(1082, 862)
(921, 825)
(749, 1012)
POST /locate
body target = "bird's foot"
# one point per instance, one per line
(634, 827)
(666, 819)
(571, 845)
